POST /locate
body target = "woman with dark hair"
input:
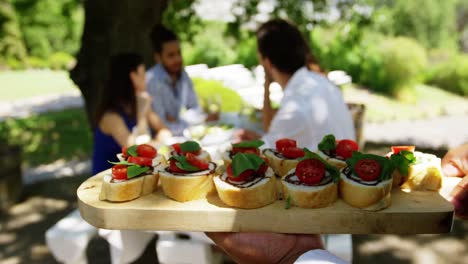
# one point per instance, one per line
(124, 108)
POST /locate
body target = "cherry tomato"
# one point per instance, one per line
(310, 171)
(285, 143)
(147, 151)
(173, 167)
(242, 177)
(397, 149)
(201, 164)
(245, 150)
(142, 161)
(293, 153)
(124, 152)
(176, 148)
(345, 148)
(119, 172)
(263, 168)
(367, 169)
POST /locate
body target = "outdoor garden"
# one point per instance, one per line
(408, 61)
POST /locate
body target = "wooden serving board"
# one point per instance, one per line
(410, 213)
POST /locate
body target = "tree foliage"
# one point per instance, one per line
(11, 40)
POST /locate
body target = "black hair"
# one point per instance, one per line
(119, 94)
(160, 35)
(283, 44)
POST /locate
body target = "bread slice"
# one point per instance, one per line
(122, 191)
(371, 198)
(340, 164)
(425, 174)
(279, 164)
(309, 196)
(259, 194)
(187, 187)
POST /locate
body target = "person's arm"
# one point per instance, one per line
(455, 164)
(113, 125)
(158, 125)
(192, 99)
(265, 247)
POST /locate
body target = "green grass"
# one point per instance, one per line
(210, 89)
(51, 136)
(428, 102)
(30, 83)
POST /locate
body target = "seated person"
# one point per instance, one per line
(170, 85)
(121, 107)
(312, 106)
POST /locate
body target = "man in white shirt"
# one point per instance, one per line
(311, 108)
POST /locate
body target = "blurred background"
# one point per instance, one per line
(405, 61)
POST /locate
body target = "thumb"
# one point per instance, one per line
(451, 170)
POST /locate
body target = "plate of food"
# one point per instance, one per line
(250, 191)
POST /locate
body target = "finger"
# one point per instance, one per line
(460, 198)
(451, 169)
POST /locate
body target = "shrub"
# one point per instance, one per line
(210, 89)
(37, 63)
(398, 62)
(61, 61)
(451, 75)
(247, 52)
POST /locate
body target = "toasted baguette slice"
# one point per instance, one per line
(122, 191)
(192, 186)
(371, 198)
(280, 166)
(259, 194)
(340, 164)
(309, 196)
(425, 174)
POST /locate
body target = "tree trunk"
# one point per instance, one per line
(112, 27)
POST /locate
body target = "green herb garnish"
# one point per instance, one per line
(190, 146)
(402, 160)
(334, 172)
(288, 202)
(183, 164)
(132, 151)
(124, 162)
(386, 165)
(328, 143)
(242, 162)
(249, 144)
(135, 170)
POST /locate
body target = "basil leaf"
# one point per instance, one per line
(121, 163)
(288, 202)
(242, 162)
(132, 151)
(249, 144)
(402, 160)
(183, 164)
(386, 165)
(135, 170)
(328, 143)
(190, 146)
(334, 172)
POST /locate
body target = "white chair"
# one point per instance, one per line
(69, 238)
(126, 245)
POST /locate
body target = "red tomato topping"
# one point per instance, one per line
(285, 143)
(242, 177)
(201, 164)
(245, 150)
(173, 167)
(310, 171)
(293, 153)
(263, 168)
(142, 161)
(119, 172)
(397, 149)
(345, 148)
(147, 151)
(124, 152)
(367, 169)
(176, 148)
